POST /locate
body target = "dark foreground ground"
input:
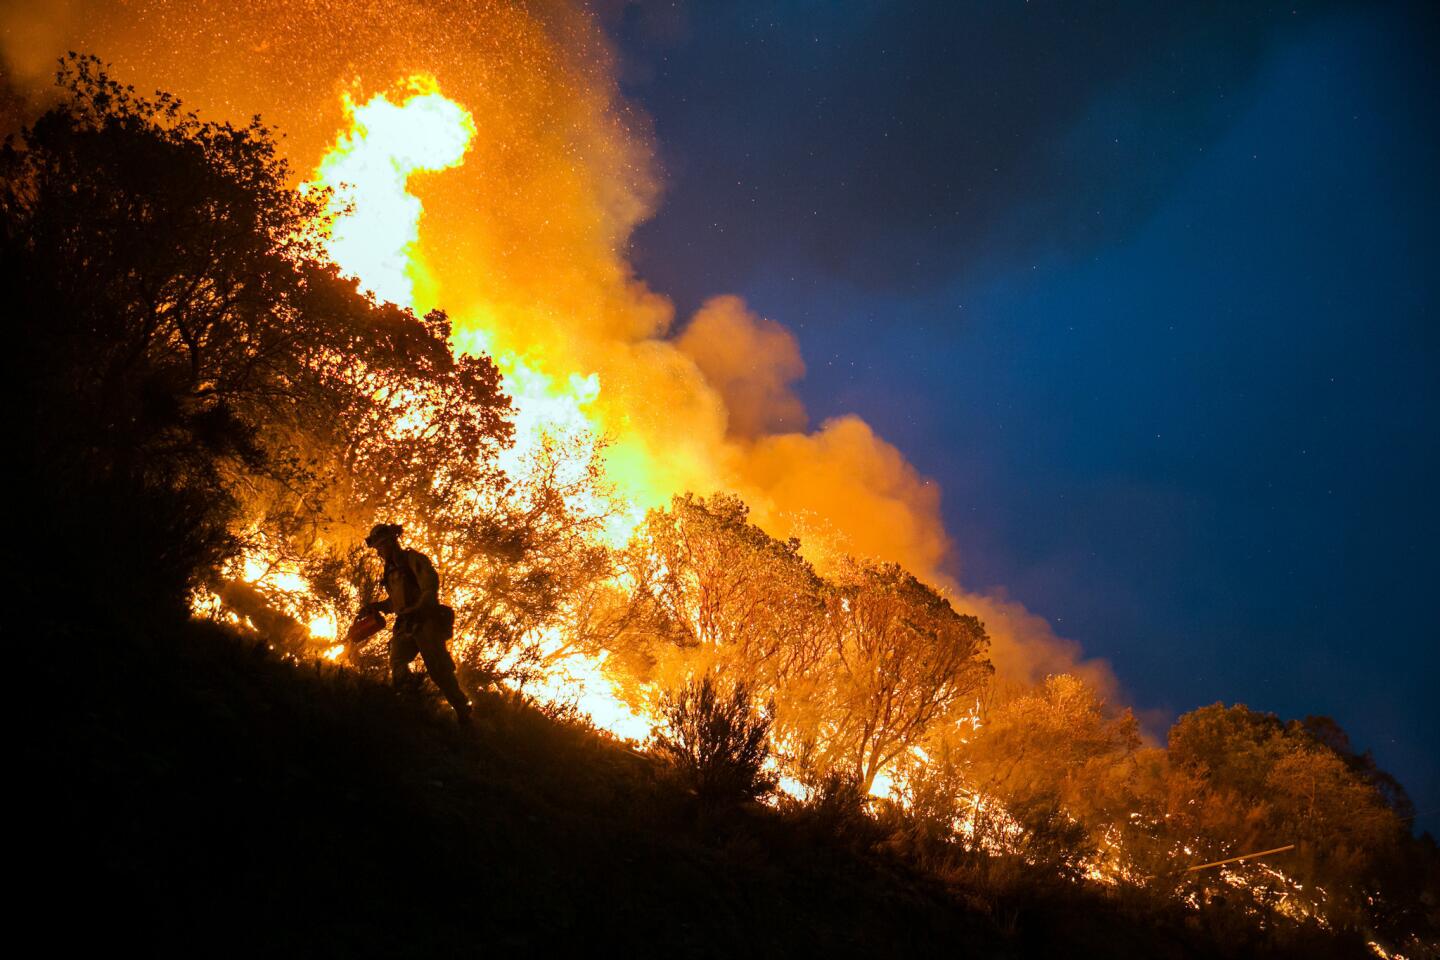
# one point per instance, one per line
(187, 790)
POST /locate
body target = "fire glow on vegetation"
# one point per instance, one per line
(377, 156)
(536, 173)
(508, 195)
(372, 235)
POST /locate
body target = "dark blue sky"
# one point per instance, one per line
(1149, 288)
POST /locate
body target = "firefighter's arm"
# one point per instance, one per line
(378, 606)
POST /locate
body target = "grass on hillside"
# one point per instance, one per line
(196, 791)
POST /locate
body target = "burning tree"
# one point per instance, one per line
(904, 662)
(1258, 782)
(723, 592)
(1059, 765)
(208, 369)
(860, 668)
(217, 376)
(202, 391)
(717, 740)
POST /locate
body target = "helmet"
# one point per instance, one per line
(383, 531)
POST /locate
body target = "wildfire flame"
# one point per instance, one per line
(373, 233)
(524, 243)
(374, 224)
(374, 236)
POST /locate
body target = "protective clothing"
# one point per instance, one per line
(423, 625)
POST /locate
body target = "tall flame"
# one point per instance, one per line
(527, 248)
(373, 235)
(375, 219)
(525, 244)
(374, 228)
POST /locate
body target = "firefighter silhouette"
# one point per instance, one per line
(423, 624)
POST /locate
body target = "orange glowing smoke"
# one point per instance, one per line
(524, 244)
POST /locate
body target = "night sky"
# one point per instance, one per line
(1148, 288)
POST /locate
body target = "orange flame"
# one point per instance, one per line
(373, 236)
(375, 220)
(558, 171)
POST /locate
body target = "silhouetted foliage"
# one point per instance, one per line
(192, 373)
(1261, 783)
(213, 388)
(305, 810)
(717, 741)
(1326, 731)
(195, 384)
(941, 807)
(837, 811)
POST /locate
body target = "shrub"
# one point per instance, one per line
(838, 811)
(717, 741)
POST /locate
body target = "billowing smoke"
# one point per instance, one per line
(751, 362)
(524, 244)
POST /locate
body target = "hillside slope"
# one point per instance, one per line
(195, 792)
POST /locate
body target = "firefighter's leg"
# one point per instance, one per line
(402, 650)
(441, 667)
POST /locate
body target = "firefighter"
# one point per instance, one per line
(422, 623)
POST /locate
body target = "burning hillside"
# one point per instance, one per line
(523, 245)
(427, 318)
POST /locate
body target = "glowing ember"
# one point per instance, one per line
(323, 627)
